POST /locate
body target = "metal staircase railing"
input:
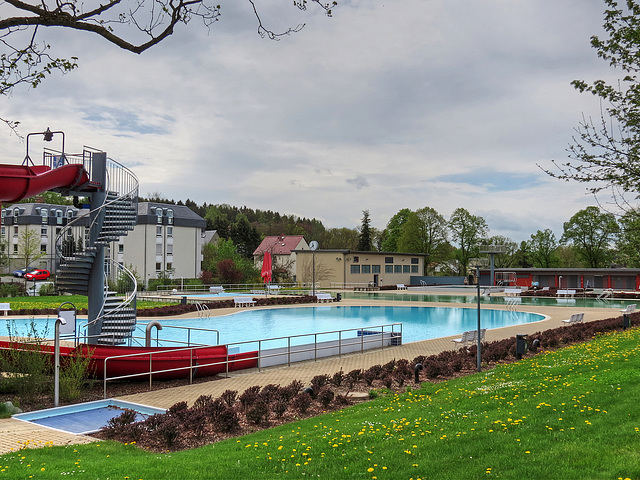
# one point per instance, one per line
(105, 224)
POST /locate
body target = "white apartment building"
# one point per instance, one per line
(167, 240)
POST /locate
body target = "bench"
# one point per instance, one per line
(274, 288)
(566, 293)
(258, 292)
(5, 307)
(324, 297)
(512, 292)
(216, 289)
(401, 286)
(239, 302)
(575, 318)
(470, 337)
(630, 308)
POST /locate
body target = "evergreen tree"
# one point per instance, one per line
(365, 243)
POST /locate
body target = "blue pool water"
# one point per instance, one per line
(418, 323)
(85, 418)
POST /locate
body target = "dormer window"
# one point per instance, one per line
(44, 213)
(159, 215)
(170, 216)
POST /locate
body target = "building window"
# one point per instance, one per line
(3, 231)
(388, 269)
(415, 261)
(406, 268)
(170, 217)
(158, 231)
(375, 268)
(43, 232)
(170, 249)
(158, 267)
(388, 259)
(15, 248)
(158, 249)
(397, 269)
(120, 248)
(44, 212)
(414, 268)
(15, 231)
(169, 266)
(159, 215)
(58, 230)
(169, 231)
(43, 248)
(356, 259)
(366, 268)
(355, 269)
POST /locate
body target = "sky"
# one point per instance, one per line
(386, 105)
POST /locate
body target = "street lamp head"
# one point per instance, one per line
(48, 135)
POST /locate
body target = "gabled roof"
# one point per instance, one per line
(279, 245)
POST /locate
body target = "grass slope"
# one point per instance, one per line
(569, 414)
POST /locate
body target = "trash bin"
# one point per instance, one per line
(183, 301)
(625, 321)
(521, 345)
(338, 297)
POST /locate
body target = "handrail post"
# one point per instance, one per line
(340, 344)
(315, 347)
(104, 374)
(288, 351)
(190, 366)
(362, 340)
(259, 355)
(150, 370)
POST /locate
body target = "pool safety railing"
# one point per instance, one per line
(354, 340)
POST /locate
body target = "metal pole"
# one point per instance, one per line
(479, 361)
(313, 279)
(56, 368)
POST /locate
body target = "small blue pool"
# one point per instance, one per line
(85, 418)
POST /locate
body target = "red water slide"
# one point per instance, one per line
(21, 181)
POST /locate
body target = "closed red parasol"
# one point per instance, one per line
(266, 268)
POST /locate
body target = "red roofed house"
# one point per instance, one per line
(282, 254)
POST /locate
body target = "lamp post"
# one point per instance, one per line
(477, 263)
(313, 246)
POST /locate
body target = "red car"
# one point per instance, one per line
(37, 274)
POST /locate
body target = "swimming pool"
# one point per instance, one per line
(418, 323)
(85, 418)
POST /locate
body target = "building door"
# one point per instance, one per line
(375, 279)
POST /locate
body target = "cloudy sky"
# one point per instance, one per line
(387, 105)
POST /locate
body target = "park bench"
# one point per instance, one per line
(324, 297)
(5, 307)
(566, 293)
(512, 292)
(239, 302)
(575, 318)
(401, 286)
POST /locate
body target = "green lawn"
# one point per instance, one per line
(570, 414)
(80, 301)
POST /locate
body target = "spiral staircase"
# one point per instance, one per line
(83, 245)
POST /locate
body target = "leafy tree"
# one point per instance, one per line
(592, 232)
(629, 240)
(424, 231)
(391, 234)
(134, 26)
(226, 250)
(542, 249)
(607, 151)
(29, 247)
(466, 231)
(569, 257)
(523, 256)
(365, 239)
(340, 238)
(4, 257)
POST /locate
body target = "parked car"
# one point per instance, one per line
(37, 274)
(20, 273)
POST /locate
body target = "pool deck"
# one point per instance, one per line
(16, 434)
